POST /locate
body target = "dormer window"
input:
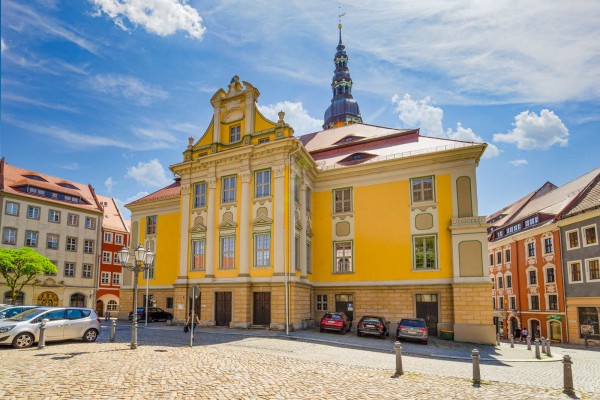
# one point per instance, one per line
(356, 158)
(35, 178)
(349, 138)
(68, 185)
(234, 134)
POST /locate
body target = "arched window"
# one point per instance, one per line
(112, 305)
(77, 300)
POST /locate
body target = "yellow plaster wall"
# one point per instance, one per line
(167, 248)
(445, 197)
(261, 123)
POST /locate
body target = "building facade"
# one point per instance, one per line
(276, 230)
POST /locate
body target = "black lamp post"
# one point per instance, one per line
(143, 261)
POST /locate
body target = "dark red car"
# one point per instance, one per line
(335, 321)
(373, 325)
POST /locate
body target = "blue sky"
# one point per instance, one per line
(108, 91)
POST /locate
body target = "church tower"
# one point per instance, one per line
(343, 109)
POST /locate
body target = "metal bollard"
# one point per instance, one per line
(543, 343)
(537, 349)
(113, 330)
(568, 376)
(498, 339)
(548, 351)
(42, 341)
(528, 342)
(476, 372)
(512, 341)
(399, 370)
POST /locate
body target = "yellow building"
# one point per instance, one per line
(276, 229)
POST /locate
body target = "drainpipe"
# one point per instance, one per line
(289, 265)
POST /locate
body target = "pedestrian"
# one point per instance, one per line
(186, 328)
(524, 334)
(517, 333)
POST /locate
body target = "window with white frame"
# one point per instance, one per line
(33, 212)
(531, 249)
(54, 216)
(228, 186)
(532, 277)
(106, 257)
(500, 281)
(234, 133)
(90, 223)
(553, 302)
(262, 187)
(593, 269)
(575, 272)
(548, 245)
(52, 241)
(549, 276)
(508, 279)
(342, 200)
(308, 199)
(589, 235)
(534, 302)
(71, 244)
(343, 257)
(116, 278)
(321, 302)
(507, 255)
(31, 239)
(112, 305)
(88, 246)
(262, 249)
(105, 278)
(86, 271)
(11, 208)
(118, 239)
(512, 302)
(422, 189)
(297, 189)
(73, 219)
(116, 258)
(108, 237)
(200, 194)
(493, 303)
(309, 257)
(69, 269)
(491, 259)
(572, 239)
(297, 253)
(151, 223)
(501, 303)
(227, 252)
(9, 236)
(499, 258)
(424, 249)
(198, 255)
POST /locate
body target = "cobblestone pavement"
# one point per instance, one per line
(232, 364)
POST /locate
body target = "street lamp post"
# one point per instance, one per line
(143, 261)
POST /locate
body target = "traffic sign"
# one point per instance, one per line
(194, 292)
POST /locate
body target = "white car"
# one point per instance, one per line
(23, 330)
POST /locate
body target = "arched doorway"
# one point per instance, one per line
(555, 331)
(513, 323)
(47, 299)
(100, 308)
(19, 301)
(77, 300)
(535, 329)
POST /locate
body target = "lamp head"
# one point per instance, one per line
(140, 254)
(124, 255)
(149, 258)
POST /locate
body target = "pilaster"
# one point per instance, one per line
(246, 177)
(210, 227)
(278, 219)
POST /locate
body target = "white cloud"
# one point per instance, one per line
(295, 115)
(108, 183)
(151, 174)
(37, 103)
(71, 166)
(128, 87)
(136, 196)
(3, 45)
(533, 132)
(421, 114)
(518, 163)
(154, 134)
(159, 17)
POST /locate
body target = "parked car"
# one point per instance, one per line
(335, 321)
(412, 329)
(23, 330)
(11, 311)
(373, 325)
(154, 314)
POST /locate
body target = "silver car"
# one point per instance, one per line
(14, 310)
(23, 330)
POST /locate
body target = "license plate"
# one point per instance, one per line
(371, 326)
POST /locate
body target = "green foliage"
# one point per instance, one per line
(20, 266)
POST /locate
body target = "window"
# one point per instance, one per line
(308, 199)
(112, 305)
(108, 237)
(9, 236)
(297, 253)
(88, 246)
(228, 252)
(54, 216)
(589, 315)
(297, 189)
(491, 259)
(200, 194)
(169, 302)
(151, 225)
(343, 257)
(308, 258)
(73, 220)
(531, 249)
(69, 269)
(234, 133)
(533, 277)
(552, 302)
(118, 239)
(12, 208)
(493, 303)
(33, 212)
(71, 244)
(106, 257)
(531, 221)
(499, 258)
(548, 245)
(86, 271)
(116, 258)
(342, 200)
(105, 278)
(501, 303)
(90, 223)
(263, 183)
(116, 278)
(593, 269)
(422, 189)
(500, 282)
(52, 241)
(589, 235)
(31, 239)
(321, 302)
(550, 278)
(228, 189)
(508, 281)
(425, 252)
(573, 240)
(262, 250)
(264, 140)
(507, 255)
(198, 255)
(512, 301)
(534, 302)
(575, 272)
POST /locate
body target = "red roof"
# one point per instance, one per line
(169, 192)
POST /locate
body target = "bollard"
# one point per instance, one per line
(568, 376)
(543, 343)
(537, 349)
(528, 342)
(113, 330)
(548, 351)
(476, 372)
(42, 341)
(399, 370)
(498, 339)
(512, 341)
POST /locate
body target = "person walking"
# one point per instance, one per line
(517, 333)
(189, 321)
(524, 334)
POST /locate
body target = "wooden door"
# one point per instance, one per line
(345, 303)
(222, 308)
(427, 308)
(262, 308)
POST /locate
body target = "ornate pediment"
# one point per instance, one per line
(228, 222)
(262, 217)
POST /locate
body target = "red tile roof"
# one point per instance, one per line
(169, 192)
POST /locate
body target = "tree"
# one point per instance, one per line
(20, 266)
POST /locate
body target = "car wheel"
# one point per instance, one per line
(90, 335)
(22, 341)
(150, 319)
